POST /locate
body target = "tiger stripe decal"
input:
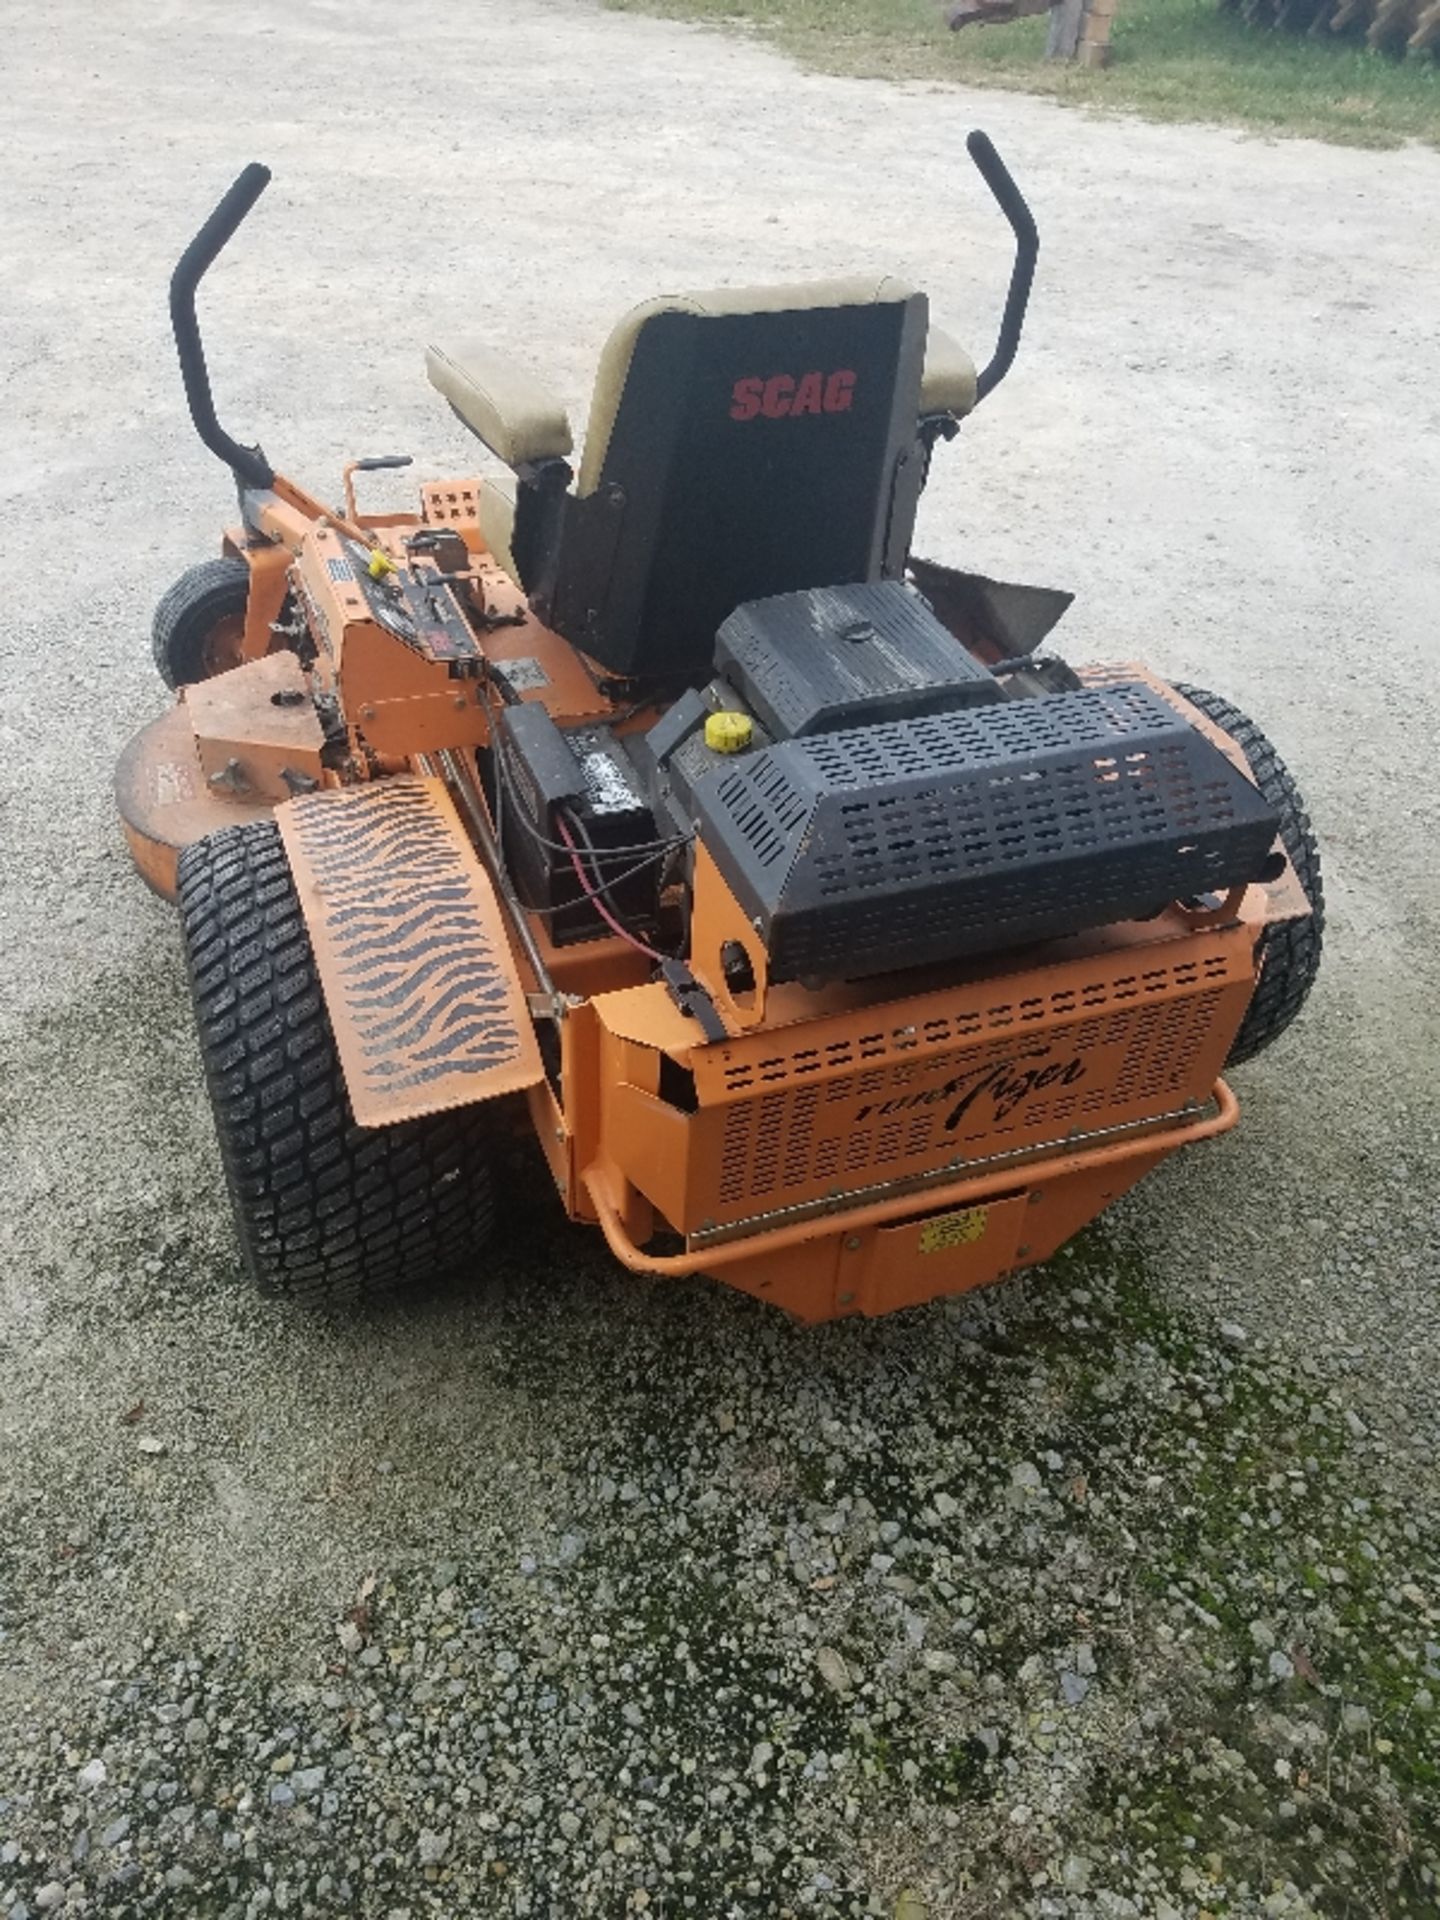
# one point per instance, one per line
(411, 949)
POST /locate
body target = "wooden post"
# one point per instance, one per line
(1094, 48)
(1079, 29)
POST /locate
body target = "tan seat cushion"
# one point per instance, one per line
(948, 382)
(515, 414)
(497, 522)
(520, 420)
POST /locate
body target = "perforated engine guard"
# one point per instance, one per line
(927, 840)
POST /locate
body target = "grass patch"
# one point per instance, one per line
(1172, 60)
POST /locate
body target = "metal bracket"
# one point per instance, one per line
(692, 999)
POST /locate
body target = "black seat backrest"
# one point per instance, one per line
(740, 444)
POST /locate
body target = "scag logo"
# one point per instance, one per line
(785, 394)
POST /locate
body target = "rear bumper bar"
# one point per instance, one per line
(1117, 1162)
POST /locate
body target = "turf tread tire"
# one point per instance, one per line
(189, 613)
(1289, 954)
(325, 1210)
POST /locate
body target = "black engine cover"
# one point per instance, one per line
(922, 841)
(835, 657)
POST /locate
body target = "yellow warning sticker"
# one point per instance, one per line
(954, 1229)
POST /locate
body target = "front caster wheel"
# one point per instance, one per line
(200, 623)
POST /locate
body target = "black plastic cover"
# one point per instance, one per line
(544, 770)
(832, 657)
(926, 840)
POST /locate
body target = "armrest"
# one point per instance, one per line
(497, 523)
(516, 416)
(948, 382)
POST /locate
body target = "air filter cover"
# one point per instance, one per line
(834, 657)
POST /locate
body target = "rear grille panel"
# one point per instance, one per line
(774, 1148)
(1016, 730)
(820, 1111)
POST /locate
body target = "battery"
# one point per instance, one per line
(587, 772)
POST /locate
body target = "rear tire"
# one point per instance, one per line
(1288, 955)
(199, 621)
(325, 1210)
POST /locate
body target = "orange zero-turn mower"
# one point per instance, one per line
(832, 938)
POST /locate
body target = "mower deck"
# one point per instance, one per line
(165, 803)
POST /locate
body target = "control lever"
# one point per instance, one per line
(996, 176)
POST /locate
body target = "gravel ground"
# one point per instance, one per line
(1112, 1593)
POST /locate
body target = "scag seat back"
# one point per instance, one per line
(741, 443)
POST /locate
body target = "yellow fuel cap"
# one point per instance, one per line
(729, 732)
(380, 565)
